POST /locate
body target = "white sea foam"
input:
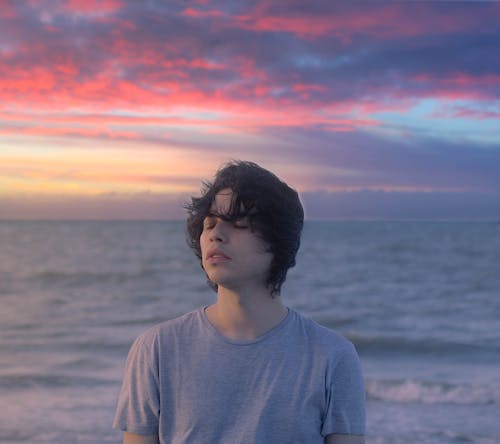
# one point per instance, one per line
(416, 391)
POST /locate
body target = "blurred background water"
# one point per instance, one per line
(420, 300)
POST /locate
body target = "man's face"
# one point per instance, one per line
(232, 255)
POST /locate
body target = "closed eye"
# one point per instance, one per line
(209, 223)
(241, 223)
(240, 226)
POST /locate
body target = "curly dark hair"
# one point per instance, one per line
(273, 209)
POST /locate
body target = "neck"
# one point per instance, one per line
(245, 315)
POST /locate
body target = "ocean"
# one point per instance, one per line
(420, 300)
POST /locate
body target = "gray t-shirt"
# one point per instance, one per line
(297, 383)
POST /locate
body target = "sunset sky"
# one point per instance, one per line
(118, 109)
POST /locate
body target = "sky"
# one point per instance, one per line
(119, 109)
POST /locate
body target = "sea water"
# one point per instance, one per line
(420, 300)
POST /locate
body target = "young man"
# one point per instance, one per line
(246, 369)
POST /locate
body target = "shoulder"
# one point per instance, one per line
(173, 329)
(324, 340)
(170, 336)
(321, 334)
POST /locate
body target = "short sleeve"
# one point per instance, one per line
(138, 407)
(345, 413)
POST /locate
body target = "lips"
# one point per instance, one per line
(216, 255)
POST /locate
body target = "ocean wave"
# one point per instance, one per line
(30, 381)
(439, 437)
(403, 345)
(465, 438)
(84, 278)
(416, 391)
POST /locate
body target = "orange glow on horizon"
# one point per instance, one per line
(95, 171)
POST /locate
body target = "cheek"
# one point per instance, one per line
(203, 238)
(203, 245)
(263, 247)
(263, 252)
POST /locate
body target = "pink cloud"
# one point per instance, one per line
(383, 20)
(7, 10)
(127, 67)
(92, 6)
(197, 13)
(99, 133)
(463, 112)
(456, 86)
(236, 117)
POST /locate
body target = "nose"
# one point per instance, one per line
(218, 232)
